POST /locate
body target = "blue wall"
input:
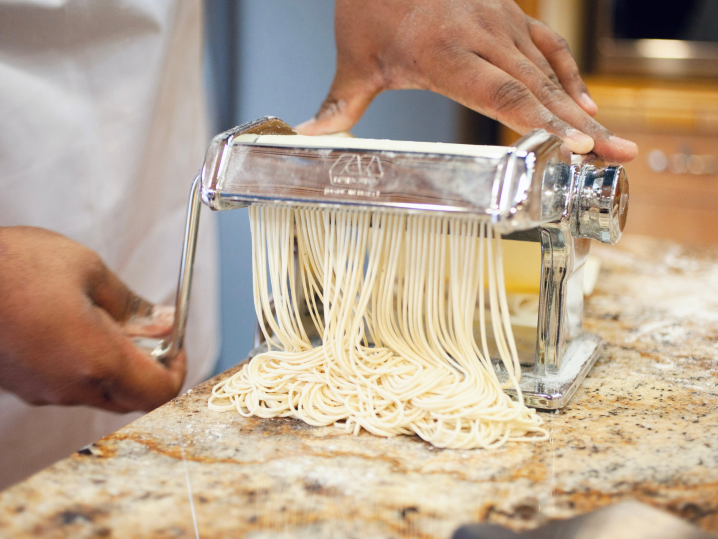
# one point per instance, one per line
(284, 66)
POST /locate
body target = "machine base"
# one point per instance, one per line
(553, 391)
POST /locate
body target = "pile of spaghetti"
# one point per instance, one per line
(392, 295)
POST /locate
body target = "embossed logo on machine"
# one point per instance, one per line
(355, 169)
(355, 175)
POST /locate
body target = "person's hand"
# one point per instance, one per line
(485, 54)
(65, 326)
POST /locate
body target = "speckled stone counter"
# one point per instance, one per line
(643, 426)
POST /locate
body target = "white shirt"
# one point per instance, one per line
(102, 128)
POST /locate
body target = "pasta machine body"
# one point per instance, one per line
(532, 191)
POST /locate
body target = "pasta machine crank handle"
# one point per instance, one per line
(169, 348)
(166, 350)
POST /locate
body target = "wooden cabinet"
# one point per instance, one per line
(674, 179)
(668, 200)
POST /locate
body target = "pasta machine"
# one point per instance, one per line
(533, 191)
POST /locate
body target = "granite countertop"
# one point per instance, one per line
(644, 426)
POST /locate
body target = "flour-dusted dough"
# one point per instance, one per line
(398, 355)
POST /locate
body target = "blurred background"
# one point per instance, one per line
(650, 65)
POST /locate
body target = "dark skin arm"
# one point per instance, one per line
(65, 327)
(485, 54)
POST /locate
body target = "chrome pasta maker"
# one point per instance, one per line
(533, 191)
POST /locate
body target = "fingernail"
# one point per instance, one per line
(157, 324)
(588, 102)
(163, 314)
(578, 142)
(303, 125)
(623, 143)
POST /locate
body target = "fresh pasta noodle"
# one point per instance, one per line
(397, 353)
